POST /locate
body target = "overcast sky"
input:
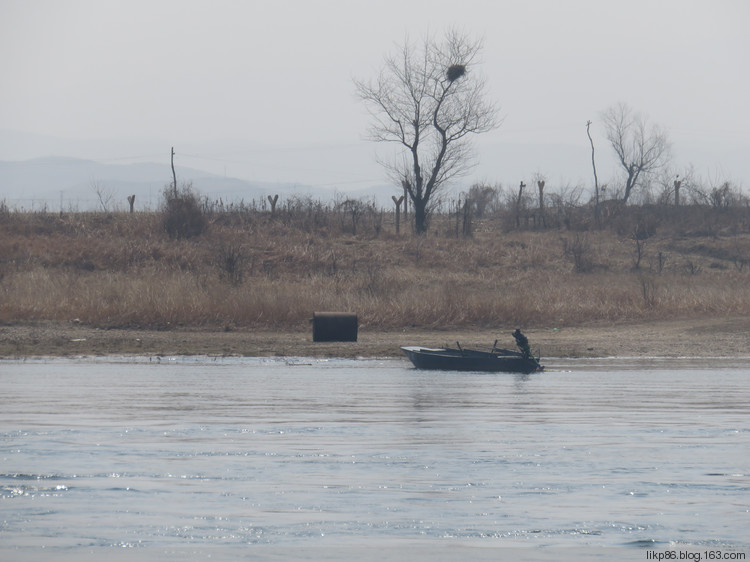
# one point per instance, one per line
(273, 79)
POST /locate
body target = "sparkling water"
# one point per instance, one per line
(201, 458)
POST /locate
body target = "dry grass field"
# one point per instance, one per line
(251, 270)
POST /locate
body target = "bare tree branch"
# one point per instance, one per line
(429, 100)
(641, 149)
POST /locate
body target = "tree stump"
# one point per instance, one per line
(272, 201)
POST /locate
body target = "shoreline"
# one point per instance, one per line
(695, 337)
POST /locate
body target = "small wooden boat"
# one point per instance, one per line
(460, 359)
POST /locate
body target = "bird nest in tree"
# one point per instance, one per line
(455, 71)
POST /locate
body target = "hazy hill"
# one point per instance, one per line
(84, 184)
(38, 171)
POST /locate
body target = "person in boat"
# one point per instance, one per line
(523, 343)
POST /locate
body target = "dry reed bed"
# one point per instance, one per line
(123, 271)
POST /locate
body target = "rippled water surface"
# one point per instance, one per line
(316, 459)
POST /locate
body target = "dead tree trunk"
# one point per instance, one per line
(518, 204)
(543, 219)
(131, 202)
(398, 211)
(405, 185)
(273, 200)
(467, 230)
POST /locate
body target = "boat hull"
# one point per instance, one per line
(470, 360)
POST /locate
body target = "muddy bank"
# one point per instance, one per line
(705, 337)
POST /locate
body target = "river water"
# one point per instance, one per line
(277, 459)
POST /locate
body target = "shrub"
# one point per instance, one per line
(579, 250)
(182, 215)
(230, 259)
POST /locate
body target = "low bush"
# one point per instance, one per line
(182, 214)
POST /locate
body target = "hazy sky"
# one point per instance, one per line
(273, 79)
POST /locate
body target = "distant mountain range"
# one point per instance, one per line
(65, 183)
(90, 174)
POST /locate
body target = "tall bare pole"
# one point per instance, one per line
(593, 165)
(174, 175)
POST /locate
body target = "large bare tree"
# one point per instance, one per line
(642, 148)
(429, 100)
